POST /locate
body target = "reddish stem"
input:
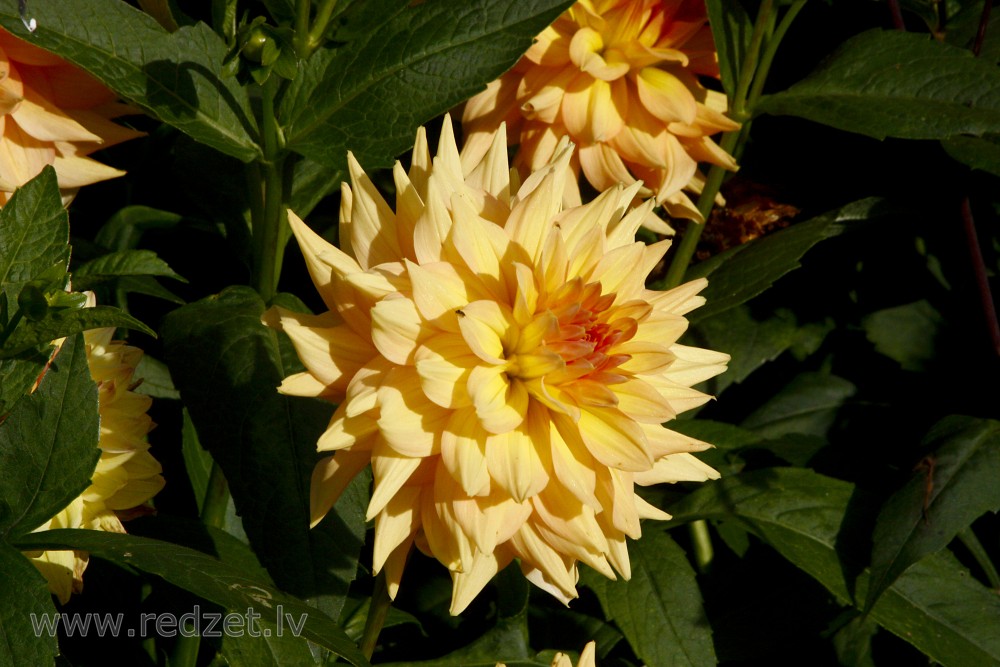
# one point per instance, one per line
(897, 15)
(984, 20)
(979, 269)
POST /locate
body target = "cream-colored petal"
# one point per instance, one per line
(329, 479)
(614, 439)
(676, 468)
(501, 402)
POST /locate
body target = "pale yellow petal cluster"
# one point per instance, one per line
(500, 363)
(127, 475)
(53, 113)
(588, 658)
(619, 78)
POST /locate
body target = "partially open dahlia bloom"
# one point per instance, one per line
(52, 112)
(500, 363)
(588, 658)
(619, 77)
(127, 475)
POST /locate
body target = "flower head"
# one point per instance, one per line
(500, 363)
(51, 112)
(588, 658)
(127, 475)
(619, 77)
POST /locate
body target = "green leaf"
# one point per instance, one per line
(853, 642)
(34, 233)
(197, 461)
(659, 609)
(122, 263)
(808, 404)
(897, 84)
(17, 375)
(124, 229)
(354, 622)
(247, 650)
(48, 443)
(177, 77)
(935, 605)
(233, 587)
(956, 485)
(148, 286)
(67, 322)
(227, 366)
(505, 642)
(796, 448)
(982, 153)
(731, 31)
(27, 603)
(155, 378)
(905, 333)
(751, 342)
(400, 66)
(741, 273)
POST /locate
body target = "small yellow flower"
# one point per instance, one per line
(588, 658)
(499, 362)
(127, 475)
(53, 113)
(619, 77)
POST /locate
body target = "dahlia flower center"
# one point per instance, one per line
(584, 333)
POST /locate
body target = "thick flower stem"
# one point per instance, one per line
(268, 249)
(753, 75)
(377, 612)
(301, 39)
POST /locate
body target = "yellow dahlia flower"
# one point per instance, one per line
(52, 112)
(500, 363)
(619, 77)
(588, 658)
(127, 475)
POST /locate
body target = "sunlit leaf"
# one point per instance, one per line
(65, 322)
(176, 76)
(890, 83)
(398, 65)
(48, 443)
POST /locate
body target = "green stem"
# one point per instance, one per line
(267, 249)
(377, 612)
(702, 541)
(323, 15)
(216, 501)
(753, 74)
(972, 543)
(213, 513)
(749, 67)
(689, 242)
(770, 49)
(301, 39)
